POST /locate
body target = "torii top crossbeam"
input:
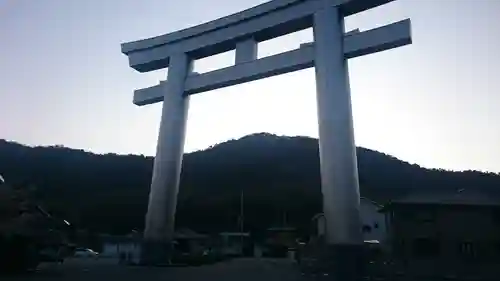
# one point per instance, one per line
(263, 22)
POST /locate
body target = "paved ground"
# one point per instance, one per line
(96, 270)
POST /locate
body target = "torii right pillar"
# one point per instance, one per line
(337, 149)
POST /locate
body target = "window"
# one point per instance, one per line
(367, 229)
(496, 217)
(425, 216)
(399, 246)
(405, 214)
(467, 249)
(182, 245)
(426, 247)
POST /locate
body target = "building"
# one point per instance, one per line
(234, 243)
(189, 242)
(311, 254)
(127, 249)
(448, 233)
(373, 222)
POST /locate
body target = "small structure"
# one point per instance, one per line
(446, 233)
(280, 241)
(187, 241)
(125, 249)
(234, 243)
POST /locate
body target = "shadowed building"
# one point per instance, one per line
(452, 233)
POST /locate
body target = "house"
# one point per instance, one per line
(446, 233)
(373, 222)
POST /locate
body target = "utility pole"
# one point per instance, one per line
(242, 218)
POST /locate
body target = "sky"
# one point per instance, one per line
(435, 103)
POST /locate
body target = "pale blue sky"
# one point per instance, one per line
(434, 103)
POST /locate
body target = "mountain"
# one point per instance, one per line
(278, 175)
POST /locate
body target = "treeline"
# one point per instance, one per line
(279, 177)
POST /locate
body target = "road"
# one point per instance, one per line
(234, 270)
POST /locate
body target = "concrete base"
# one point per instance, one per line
(154, 253)
(344, 262)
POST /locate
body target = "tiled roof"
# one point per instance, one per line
(135, 237)
(188, 234)
(464, 196)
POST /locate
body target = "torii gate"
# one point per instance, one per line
(243, 31)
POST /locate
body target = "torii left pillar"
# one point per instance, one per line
(160, 217)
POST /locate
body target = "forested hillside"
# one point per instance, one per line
(278, 175)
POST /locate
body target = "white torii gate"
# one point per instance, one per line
(242, 31)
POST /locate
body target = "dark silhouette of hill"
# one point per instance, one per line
(278, 175)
